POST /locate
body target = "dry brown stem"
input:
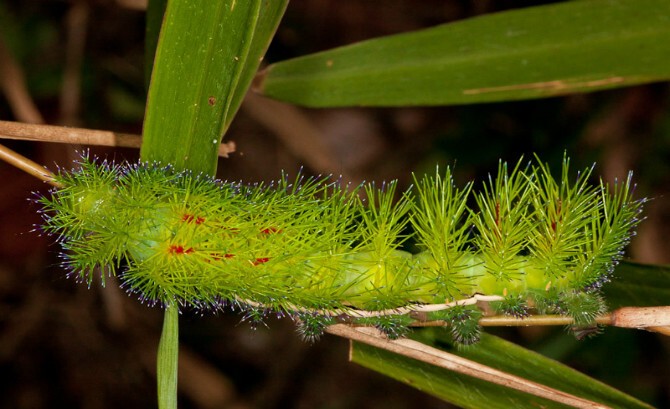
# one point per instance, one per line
(656, 319)
(69, 135)
(27, 165)
(637, 317)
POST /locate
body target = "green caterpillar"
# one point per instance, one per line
(316, 251)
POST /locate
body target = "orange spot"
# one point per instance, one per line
(498, 214)
(261, 261)
(189, 218)
(219, 257)
(177, 249)
(270, 230)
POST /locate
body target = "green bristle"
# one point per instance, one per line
(393, 326)
(310, 326)
(513, 305)
(582, 307)
(463, 324)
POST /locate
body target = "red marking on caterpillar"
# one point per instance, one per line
(177, 249)
(559, 217)
(189, 218)
(260, 260)
(218, 257)
(498, 216)
(271, 230)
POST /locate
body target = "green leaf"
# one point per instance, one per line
(206, 56)
(469, 392)
(638, 285)
(271, 14)
(576, 46)
(168, 357)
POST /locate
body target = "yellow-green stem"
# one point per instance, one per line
(168, 356)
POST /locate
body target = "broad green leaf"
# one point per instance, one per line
(469, 392)
(638, 285)
(205, 59)
(575, 46)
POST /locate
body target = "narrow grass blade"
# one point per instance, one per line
(473, 392)
(168, 357)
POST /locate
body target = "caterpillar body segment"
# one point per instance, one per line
(315, 250)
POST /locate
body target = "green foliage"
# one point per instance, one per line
(469, 392)
(167, 365)
(533, 52)
(204, 63)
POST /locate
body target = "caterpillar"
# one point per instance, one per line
(314, 250)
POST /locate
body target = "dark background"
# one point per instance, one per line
(65, 345)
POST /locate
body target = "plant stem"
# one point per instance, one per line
(168, 356)
(655, 319)
(82, 136)
(27, 165)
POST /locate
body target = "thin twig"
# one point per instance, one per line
(442, 359)
(409, 309)
(655, 319)
(61, 134)
(27, 165)
(508, 321)
(641, 317)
